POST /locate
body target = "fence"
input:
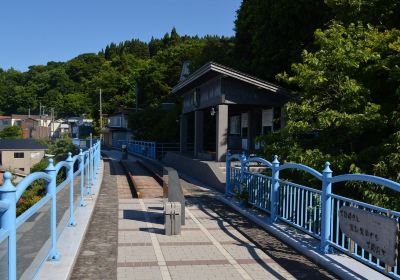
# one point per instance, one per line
(57, 202)
(154, 150)
(313, 211)
(147, 149)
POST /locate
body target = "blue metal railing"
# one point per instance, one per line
(144, 148)
(315, 212)
(89, 163)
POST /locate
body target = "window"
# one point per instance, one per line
(234, 125)
(18, 155)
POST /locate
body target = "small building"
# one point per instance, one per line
(117, 127)
(5, 121)
(228, 109)
(20, 154)
(31, 129)
(80, 127)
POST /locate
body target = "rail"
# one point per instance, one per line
(311, 210)
(56, 199)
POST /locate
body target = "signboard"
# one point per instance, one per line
(374, 233)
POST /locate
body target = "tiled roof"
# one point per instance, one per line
(21, 144)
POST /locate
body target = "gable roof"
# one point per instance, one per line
(21, 144)
(214, 68)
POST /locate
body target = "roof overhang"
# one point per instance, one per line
(211, 69)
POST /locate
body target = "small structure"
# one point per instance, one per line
(229, 109)
(117, 127)
(5, 121)
(80, 127)
(20, 154)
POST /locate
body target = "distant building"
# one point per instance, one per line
(33, 126)
(80, 127)
(31, 129)
(117, 127)
(5, 121)
(21, 154)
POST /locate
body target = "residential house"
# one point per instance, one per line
(117, 127)
(21, 154)
(5, 121)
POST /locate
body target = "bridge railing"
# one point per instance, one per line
(144, 148)
(81, 169)
(313, 211)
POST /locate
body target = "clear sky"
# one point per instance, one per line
(37, 31)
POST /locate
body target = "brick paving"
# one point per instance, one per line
(215, 243)
(98, 256)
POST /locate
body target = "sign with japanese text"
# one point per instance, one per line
(373, 232)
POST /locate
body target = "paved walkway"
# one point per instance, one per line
(216, 242)
(98, 256)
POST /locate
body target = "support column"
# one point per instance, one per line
(198, 132)
(183, 133)
(222, 132)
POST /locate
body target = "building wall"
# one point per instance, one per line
(30, 158)
(203, 96)
(238, 92)
(118, 121)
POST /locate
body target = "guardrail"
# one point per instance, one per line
(313, 211)
(85, 169)
(144, 148)
(154, 150)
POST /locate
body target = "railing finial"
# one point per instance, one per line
(50, 167)
(327, 168)
(7, 184)
(275, 159)
(69, 158)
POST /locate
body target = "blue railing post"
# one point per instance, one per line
(91, 163)
(326, 208)
(228, 174)
(87, 163)
(242, 169)
(51, 189)
(82, 169)
(71, 190)
(274, 189)
(8, 223)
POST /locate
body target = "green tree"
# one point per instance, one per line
(11, 132)
(346, 109)
(270, 35)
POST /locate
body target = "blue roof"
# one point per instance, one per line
(21, 144)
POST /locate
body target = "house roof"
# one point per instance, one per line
(5, 117)
(36, 117)
(212, 69)
(21, 144)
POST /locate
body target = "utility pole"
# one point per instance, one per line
(101, 117)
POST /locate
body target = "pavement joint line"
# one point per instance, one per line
(157, 248)
(220, 248)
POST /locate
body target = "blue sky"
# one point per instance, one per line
(37, 31)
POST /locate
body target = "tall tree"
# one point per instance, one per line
(270, 34)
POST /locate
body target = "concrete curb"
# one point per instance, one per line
(71, 239)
